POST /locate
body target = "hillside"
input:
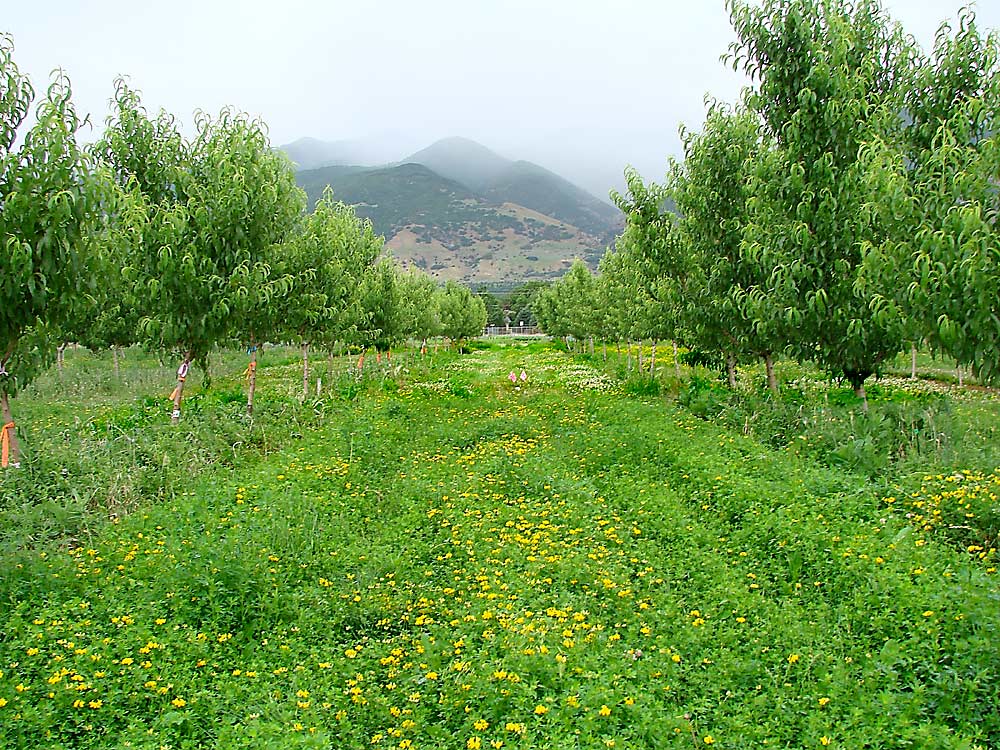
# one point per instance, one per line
(528, 184)
(447, 229)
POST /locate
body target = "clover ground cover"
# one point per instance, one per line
(547, 565)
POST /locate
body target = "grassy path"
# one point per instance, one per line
(459, 564)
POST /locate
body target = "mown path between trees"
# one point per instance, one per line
(462, 563)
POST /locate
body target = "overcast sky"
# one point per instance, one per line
(580, 86)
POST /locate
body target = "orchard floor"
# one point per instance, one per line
(450, 560)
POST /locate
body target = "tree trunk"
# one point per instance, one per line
(251, 379)
(772, 381)
(652, 359)
(305, 370)
(178, 394)
(731, 370)
(641, 365)
(628, 366)
(913, 361)
(114, 356)
(423, 348)
(961, 381)
(591, 346)
(618, 351)
(60, 356)
(10, 452)
(604, 350)
(677, 364)
(859, 391)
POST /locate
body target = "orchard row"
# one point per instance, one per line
(845, 210)
(181, 244)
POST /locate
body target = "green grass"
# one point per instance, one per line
(447, 560)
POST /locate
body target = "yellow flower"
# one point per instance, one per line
(572, 701)
(178, 703)
(823, 702)
(481, 724)
(473, 743)
(96, 704)
(824, 740)
(604, 710)
(541, 710)
(792, 658)
(709, 739)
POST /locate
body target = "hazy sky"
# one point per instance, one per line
(580, 86)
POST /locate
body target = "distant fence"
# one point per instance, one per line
(512, 331)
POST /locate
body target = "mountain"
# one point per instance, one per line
(504, 181)
(371, 150)
(451, 232)
(461, 211)
(310, 153)
(464, 161)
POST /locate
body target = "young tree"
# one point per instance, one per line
(548, 314)
(656, 250)
(380, 311)
(418, 294)
(712, 191)
(50, 198)
(827, 79)
(617, 291)
(577, 296)
(940, 271)
(325, 258)
(463, 315)
(203, 213)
